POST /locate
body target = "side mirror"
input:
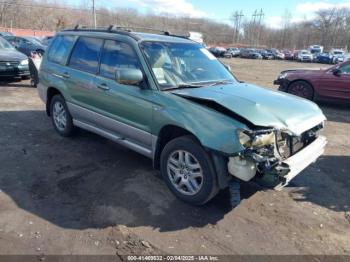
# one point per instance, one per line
(336, 72)
(129, 76)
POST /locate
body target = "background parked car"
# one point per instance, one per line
(315, 50)
(218, 51)
(337, 56)
(277, 54)
(6, 34)
(324, 58)
(235, 52)
(305, 56)
(288, 55)
(46, 40)
(324, 84)
(26, 45)
(250, 53)
(13, 64)
(267, 55)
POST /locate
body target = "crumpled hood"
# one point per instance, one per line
(11, 55)
(260, 106)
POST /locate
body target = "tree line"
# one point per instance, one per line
(330, 28)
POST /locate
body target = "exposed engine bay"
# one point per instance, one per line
(266, 151)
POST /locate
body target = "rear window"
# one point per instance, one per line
(85, 54)
(60, 49)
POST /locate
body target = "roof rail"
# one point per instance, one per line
(127, 30)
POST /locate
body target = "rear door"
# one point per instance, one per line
(80, 74)
(336, 86)
(127, 108)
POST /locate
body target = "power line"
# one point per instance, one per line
(45, 6)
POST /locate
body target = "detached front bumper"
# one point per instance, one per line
(302, 159)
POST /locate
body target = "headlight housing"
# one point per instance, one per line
(282, 75)
(24, 62)
(250, 139)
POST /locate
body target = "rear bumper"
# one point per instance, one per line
(302, 159)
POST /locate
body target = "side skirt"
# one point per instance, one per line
(118, 139)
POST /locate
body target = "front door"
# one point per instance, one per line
(127, 109)
(336, 85)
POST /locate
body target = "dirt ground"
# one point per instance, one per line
(87, 195)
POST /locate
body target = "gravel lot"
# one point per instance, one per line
(87, 195)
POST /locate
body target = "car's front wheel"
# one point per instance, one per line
(302, 89)
(188, 171)
(61, 118)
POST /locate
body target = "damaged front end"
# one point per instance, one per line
(273, 157)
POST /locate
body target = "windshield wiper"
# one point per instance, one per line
(183, 86)
(188, 85)
(221, 82)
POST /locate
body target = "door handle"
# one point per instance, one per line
(66, 75)
(103, 86)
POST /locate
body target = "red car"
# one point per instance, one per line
(324, 84)
(288, 55)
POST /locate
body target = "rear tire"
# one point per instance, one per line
(60, 116)
(301, 89)
(188, 171)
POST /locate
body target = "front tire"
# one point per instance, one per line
(301, 89)
(188, 171)
(60, 116)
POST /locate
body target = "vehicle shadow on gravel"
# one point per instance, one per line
(90, 182)
(14, 83)
(325, 183)
(337, 112)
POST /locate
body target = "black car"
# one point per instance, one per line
(13, 64)
(26, 45)
(250, 53)
(218, 51)
(267, 55)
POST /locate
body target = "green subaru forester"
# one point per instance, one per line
(171, 100)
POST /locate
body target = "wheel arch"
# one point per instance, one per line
(51, 92)
(165, 135)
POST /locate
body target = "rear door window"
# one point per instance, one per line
(86, 53)
(117, 55)
(60, 49)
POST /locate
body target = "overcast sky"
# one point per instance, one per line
(220, 10)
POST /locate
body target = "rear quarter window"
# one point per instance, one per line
(60, 49)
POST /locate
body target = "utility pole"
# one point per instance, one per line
(94, 13)
(236, 19)
(261, 17)
(252, 30)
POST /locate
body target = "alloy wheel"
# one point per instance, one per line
(185, 172)
(59, 116)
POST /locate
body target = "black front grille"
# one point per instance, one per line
(9, 63)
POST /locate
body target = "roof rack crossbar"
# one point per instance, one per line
(127, 30)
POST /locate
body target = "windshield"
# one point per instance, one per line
(338, 52)
(33, 40)
(4, 44)
(180, 64)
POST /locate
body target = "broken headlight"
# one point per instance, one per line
(256, 139)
